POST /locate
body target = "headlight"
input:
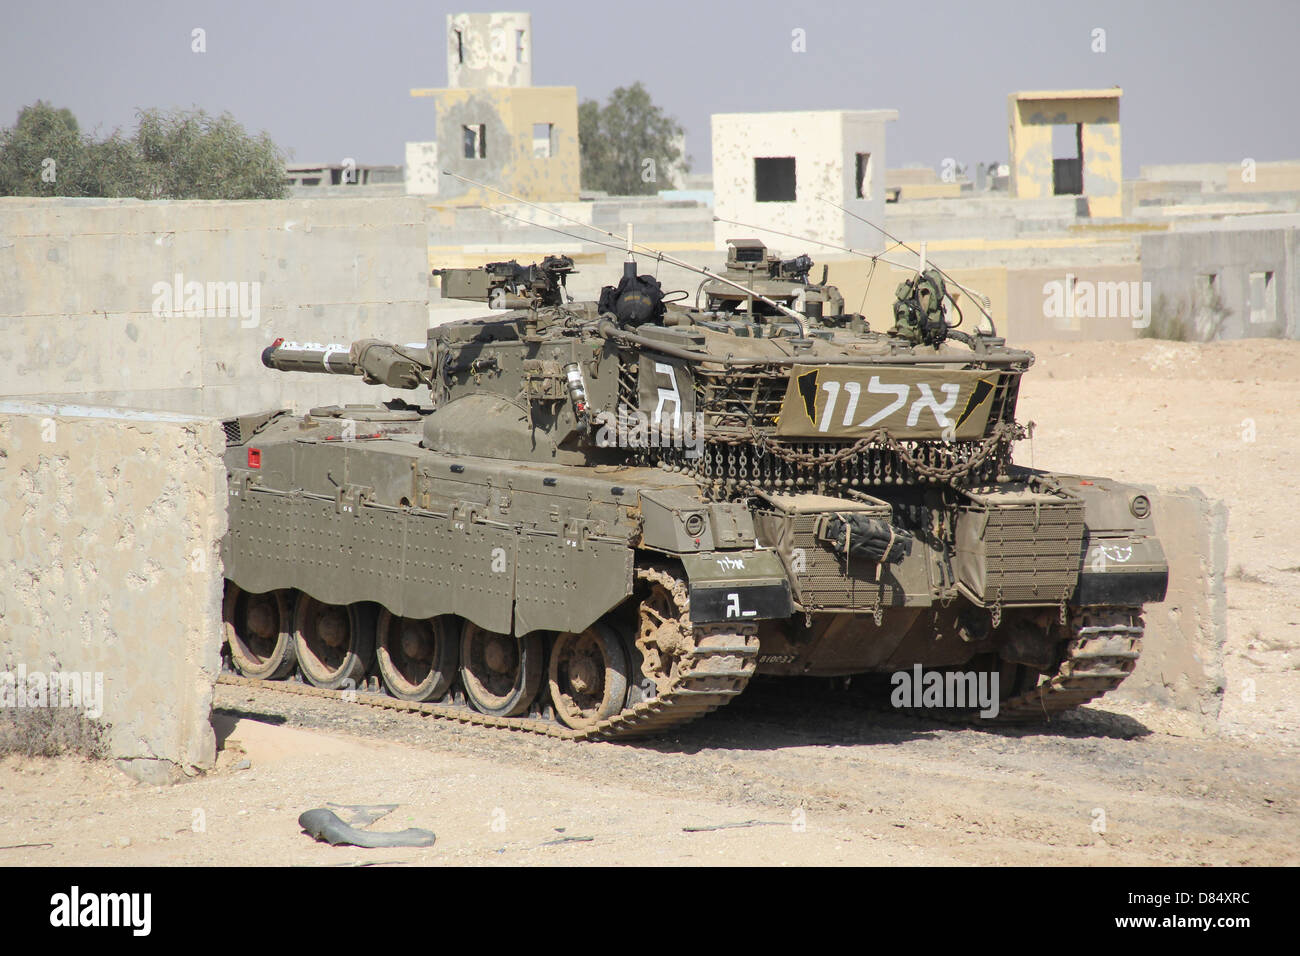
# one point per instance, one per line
(1140, 506)
(694, 525)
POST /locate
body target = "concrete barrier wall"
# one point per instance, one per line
(1177, 265)
(1182, 651)
(168, 305)
(1076, 303)
(109, 529)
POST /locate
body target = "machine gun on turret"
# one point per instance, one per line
(508, 285)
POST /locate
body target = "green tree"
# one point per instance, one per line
(175, 154)
(111, 167)
(629, 146)
(42, 154)
(191, 155)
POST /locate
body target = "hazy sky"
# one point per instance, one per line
(330, 79)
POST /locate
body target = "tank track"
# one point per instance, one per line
(1098, 657)
(1102, 650)
(712, 673)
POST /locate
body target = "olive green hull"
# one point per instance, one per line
(347, 514)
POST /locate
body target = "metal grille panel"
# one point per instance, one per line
(1027, 553)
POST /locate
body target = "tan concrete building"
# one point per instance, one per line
(775, 171)
(1090, 165)
(491, 125)
(489, 49)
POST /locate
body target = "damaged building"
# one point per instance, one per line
(491, 124)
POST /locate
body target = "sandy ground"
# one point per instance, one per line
(819, 781)
(1224, 417)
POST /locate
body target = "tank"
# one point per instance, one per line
(604, 519)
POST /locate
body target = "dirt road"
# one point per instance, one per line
(835, 785)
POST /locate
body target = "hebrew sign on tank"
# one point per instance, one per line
(850, 402)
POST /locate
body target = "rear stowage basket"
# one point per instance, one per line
(823, 580)
(1019, 546)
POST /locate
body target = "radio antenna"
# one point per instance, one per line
(555, 229)
(660, 256)
(979, 298)
(982, 302)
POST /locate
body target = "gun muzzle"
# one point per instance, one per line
(380, 363)
(310, 357)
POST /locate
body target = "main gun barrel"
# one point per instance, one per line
(380, 363)
(310, 357)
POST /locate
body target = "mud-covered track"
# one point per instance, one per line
(729, 660)
(712, 672)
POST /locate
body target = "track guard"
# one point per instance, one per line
(737, 586)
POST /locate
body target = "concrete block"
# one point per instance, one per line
(1182, 652)
(95, 296)
(110, 522)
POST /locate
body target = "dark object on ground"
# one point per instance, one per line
(567, 839)
(322, 825)
(362, 815)
(734, 826)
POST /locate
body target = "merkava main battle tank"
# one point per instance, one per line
(604, 518)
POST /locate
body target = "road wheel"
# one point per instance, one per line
(259, 633)
(335, 643)
(588, 676)
(417, 658)
(501, 674)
